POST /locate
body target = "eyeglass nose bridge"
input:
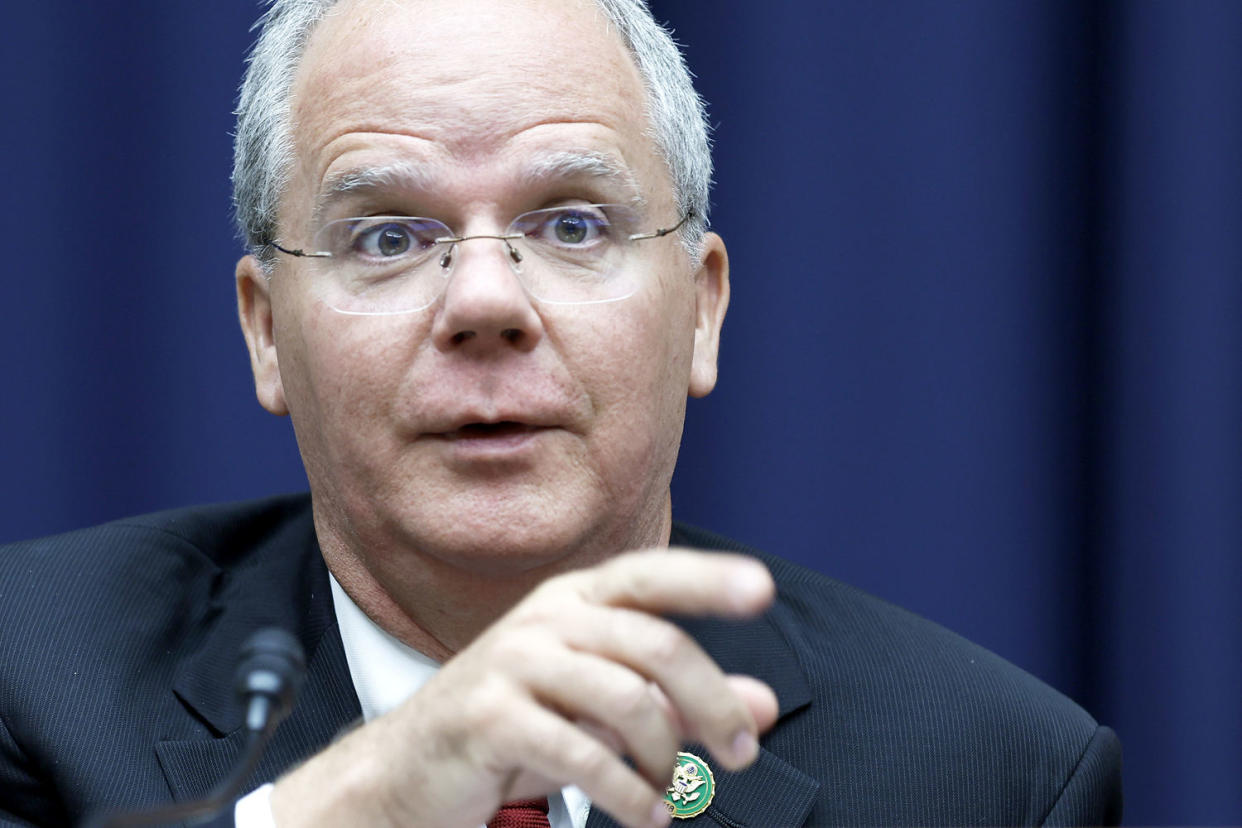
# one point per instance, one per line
(515, 255)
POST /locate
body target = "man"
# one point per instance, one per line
(481, 286)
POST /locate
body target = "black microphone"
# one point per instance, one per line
(269, 675)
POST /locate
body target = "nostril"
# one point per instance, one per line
(462, 336)
(511, 334)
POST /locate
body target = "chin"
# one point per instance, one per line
(498, 529)
(502, 542)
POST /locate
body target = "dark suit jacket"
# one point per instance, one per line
(118, 646)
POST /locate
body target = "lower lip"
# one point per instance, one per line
(501, 443)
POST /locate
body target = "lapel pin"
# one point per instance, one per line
(692, 788)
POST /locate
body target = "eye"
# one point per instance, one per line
(379, 239)
(373, 241)
(384, 240)
(572, 228)
(577, 226)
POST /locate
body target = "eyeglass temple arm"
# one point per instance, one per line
(689, 214)
(310, 254)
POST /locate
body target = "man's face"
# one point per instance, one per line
(489, 430)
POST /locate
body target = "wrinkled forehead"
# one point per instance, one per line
(471, 81)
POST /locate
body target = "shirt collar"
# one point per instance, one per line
(385, 671)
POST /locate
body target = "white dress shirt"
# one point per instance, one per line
(385, 673)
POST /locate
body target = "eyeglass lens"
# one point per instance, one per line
(575, 254)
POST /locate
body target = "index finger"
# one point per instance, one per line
(682, 581)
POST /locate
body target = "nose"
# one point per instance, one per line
(484, 304)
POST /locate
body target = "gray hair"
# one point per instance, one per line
(263, 145)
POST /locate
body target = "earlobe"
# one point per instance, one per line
(711, 286)
(254, 310)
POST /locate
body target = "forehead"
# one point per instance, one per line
(480, 86)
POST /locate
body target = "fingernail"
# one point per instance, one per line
(745, 748)
(660, 815)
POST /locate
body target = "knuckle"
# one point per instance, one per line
(531, 611)
(626, 578)
(489, 706)
(589, 756)
(559, 586)
(665, 644)
(513, 650)
(548, 604)
(510, 649)
(632, 699)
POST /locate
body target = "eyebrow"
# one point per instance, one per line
(545, 168)
(566, 164)
(343, 183)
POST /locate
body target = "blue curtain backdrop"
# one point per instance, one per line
(984, 356)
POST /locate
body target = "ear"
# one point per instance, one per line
(254, 309)
(711, 288)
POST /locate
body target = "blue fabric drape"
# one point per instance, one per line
(984, 356)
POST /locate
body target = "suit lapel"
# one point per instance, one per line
(325, 705)
(282, 583)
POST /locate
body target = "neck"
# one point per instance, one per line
(437, 606)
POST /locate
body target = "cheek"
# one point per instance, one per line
(338, 374)
(666, 339)
(638, 383)
(644, 347)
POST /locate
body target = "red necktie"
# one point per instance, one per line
(526, 813)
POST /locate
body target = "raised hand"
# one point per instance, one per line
(579, 674)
